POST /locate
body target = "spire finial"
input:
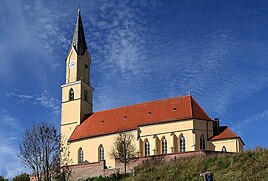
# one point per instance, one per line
(189, 89)
(78, 8)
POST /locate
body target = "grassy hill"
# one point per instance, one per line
(250, 165)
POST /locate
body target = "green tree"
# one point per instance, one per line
(3, 178)
(124, 148)
(21, 177)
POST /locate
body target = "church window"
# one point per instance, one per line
(85, 95)
(71, 94)
(202, 143)
(182, 143)
(224, 149)
(80, 156)
(164, 145)
(147, 148)
(101, 152)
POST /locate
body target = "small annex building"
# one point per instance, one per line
(172, 125)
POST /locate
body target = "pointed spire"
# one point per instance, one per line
(79, 41)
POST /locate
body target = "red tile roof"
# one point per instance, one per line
(225, 133)
(130, 117)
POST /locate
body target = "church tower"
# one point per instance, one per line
(76, 92)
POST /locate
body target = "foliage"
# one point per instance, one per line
(21, 177)
(250, 165)
(113, 177)
(3, 178)
(124, 148)
(40, 150)
(63, 172)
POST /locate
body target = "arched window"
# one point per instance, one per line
(85, 95)
(147, 148)
(80, 156)
(224, 149)
(202, 143)
(182, 143)
(71, 94)
(164, 145)
(101, 152)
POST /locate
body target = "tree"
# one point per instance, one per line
(3, 178)
(21, 177)
(40, 150)
(124, 148)
(63, 172)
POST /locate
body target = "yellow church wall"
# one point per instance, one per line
(204, 128)
(172, 132)
(76, 86)
(232, 145)
(90, 148)
(78, 72)
(71, 73)
(70, 112)
(162, 128)
(82, 72)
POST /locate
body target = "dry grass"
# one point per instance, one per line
(250, 165)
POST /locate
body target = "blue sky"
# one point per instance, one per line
(141, 51)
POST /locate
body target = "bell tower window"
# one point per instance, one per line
(85, 95)
(71, 94)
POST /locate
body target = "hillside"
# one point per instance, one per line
(250, 165)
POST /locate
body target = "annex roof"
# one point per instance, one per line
(225, 133)
(130, 117)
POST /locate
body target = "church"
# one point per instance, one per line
(160, 127)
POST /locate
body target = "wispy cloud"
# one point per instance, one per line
(44, 99)
(259, 117)
(10, 135)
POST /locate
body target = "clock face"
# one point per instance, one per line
(72, 64)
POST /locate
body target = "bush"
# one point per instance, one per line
(21, 177)
(3, 178)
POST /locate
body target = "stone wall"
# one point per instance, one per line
(166, 158)
(86, 170)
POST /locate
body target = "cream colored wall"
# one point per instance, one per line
(82, 72)
(90, 148)
(78, 72)
(167, 128)
(86, 106)
(71, 74)
(76, 86)
(191, 130)
(77, 78)
(204, 128)
(232, 145)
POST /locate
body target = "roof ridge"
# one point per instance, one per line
(192, 99)
(192, 108)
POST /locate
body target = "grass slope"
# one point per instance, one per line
(250, 165)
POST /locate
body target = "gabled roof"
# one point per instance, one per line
(225, 133)
(79, 41)
(130, 117)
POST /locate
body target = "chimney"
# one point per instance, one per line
(216, 126)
